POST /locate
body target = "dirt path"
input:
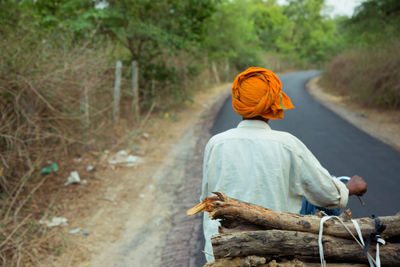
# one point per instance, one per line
(136, 216)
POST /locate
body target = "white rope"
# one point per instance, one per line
(371, 260)
(379, 240)
(358, 229)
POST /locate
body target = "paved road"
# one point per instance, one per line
(341, 148)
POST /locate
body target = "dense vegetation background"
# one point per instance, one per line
(57, 64)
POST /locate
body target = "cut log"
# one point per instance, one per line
(286, 244)
(238, 262)
(255, 261)
(233, 212)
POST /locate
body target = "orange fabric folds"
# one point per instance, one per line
(258, 92)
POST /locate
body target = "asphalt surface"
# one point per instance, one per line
(341, 148)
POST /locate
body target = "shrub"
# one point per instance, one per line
(369, 75)
(53, 99)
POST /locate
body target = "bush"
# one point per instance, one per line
(369, 75)
(56, 101)
(53, 99)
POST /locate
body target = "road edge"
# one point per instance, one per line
(359, 120)
(185, 237)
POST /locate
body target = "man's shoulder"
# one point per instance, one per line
(281, 137)
(228, 134)
(288, 140)
(285, 136)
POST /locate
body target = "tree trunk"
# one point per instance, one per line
(214, 69)
(233, 213)
(287, 244)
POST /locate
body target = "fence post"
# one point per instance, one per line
(117, 86)
(85, 106)
(135, 89)
(153, 86)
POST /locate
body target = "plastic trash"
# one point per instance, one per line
(74, 231)
(55, 221)
(74, 179)
(122, 158)
(90, 168)
(85, 233)
(49, 169)
(131, 161)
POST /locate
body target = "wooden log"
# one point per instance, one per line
(233, 212)
(238, 262)
(256, 261)
(286, 244)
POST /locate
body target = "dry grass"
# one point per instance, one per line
(54, 102)
(369, 76)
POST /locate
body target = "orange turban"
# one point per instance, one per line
(258, 92)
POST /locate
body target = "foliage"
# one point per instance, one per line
(298, 31)
(272, 26)
(368, 66)
(155, 31)
(148, 27)
(312, 36)
(232, 34)
(374, 21)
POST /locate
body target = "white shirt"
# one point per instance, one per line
(268, 168)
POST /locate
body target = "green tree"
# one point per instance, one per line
(232, 34)
(374, 21)
(313, 35)
(154, 32)
(151, 27)
(273, 28)
(74, 20)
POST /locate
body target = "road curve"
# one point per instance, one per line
(340, 147)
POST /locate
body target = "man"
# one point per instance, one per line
(256, 164)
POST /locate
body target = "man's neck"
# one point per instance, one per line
(259, 118)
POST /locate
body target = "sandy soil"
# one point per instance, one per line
(128, 216)
(381, 124)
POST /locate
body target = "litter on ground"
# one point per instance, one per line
(49, 169)
(122, 158)
(74, 231)
(55, 221)
(74, 178)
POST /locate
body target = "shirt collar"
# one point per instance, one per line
(254, 124)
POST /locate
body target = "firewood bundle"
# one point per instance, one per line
(251, 235)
